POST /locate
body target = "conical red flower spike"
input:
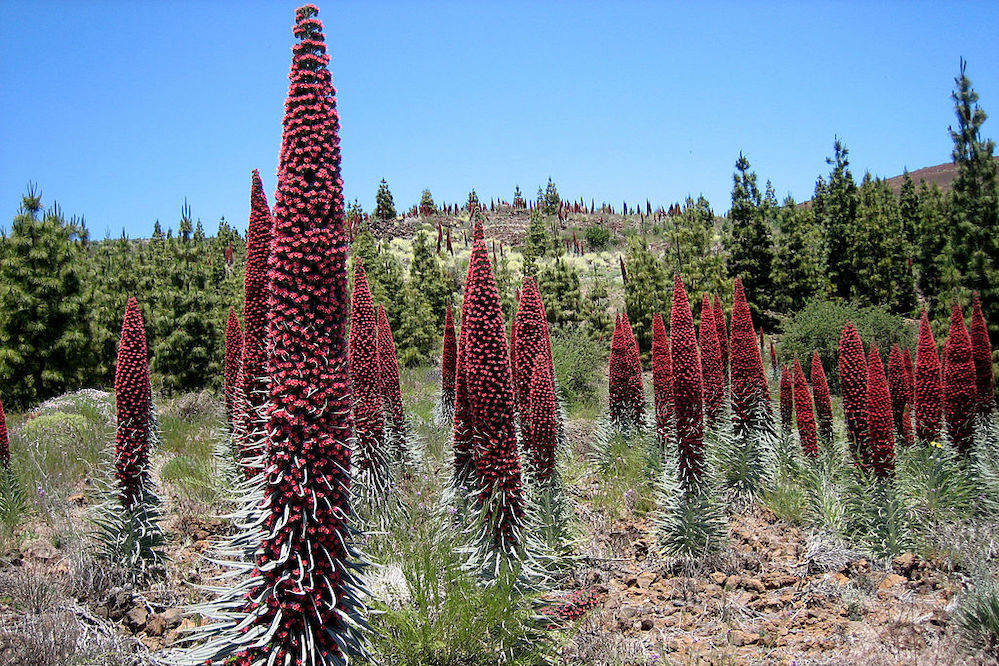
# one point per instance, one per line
(256, 292)
(662, 380)
(617, 379)
(786, 396)
(807, 431)
(370, 456)
(722, 327)
(530, 342)
(853, 386)
(880, 432)
(773, 357)
(133, 402)
(542, 412)
(711, 364)
(823, 403)
(688, 387)
(231, 366)
(927, 397)
(391, 390)
(749, 383)
(982, 352)
(960, 390)
(633, 366)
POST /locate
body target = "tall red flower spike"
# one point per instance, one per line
(982, 352)
(688, 387)
(388, 365)
(464, 465)
(880, 432)
(807, 432)
(301, 604)
(749, 382)
(370, 456)
(711, 364)
(542, 411)
(896, 387)
(490, 401)
(636, 389)
(773, 356)
(230, 368)
(823, 403)
(256, 293)
(531, 342)
(4, 440)
(618, 375)
(853, 386)
(722, 335)
(132, 397)
(786, 399)
(662, 380)
(960, 390)
(926, 395)
(449, 360)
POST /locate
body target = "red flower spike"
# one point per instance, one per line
(365, 383)
(132, 394)
(231, 366)
(4, 440)
(662, 381)
(823, 403)
(711, 364)
(530, 342)
(617, 377)
(256, 294)
(688, 387)
(807, 432)
(722, 335)
(786, 399)
(305, 577)
(880, 439)
(773, 356)
(908, 376)
(490, 399)
(540, 443)
(635, 390)
(449, 358)
(749, 382)
(853, 386)
(896, 387)
(960, 390)
(982, 353)
(926, 395)
(388, 365)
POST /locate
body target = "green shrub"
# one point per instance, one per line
(55, 450)
(978, 617)
(577, 360)
(597, 237)
(818, 326)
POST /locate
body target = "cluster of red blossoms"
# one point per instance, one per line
(926, 398)
(485, 426)
(542, 413)
(231, 365)
(900, 383)
(688, 387)
(807, 432)
(879, 448)
(853, 386)
(388, 364)
(749, 383)
(256, 292)
(132, 393)
(624, 383)
(662, 379)
(572, 607)
(960, 384)
(982, 350)
(823, 402)
(712, 367)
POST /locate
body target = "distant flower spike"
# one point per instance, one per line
(749, 382)
(982, 351)
(449, 358)
(823, 403)
(960, 390)
(633, 365)
(711, 364)
(807, 431)
(880, 432)
(133, 401)
(370, 455)
(927, 397)
(853, 385)
(688, 388)
(388, 365)
(541, 441)
(662, 380)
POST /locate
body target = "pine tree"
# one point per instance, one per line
(384, 205)
(879, 251)
(908, 209)
(935, 274)
(537, 244)
(693, 249)
(473, 202)
(798, 268)
(427, 207)
(518, 198)
(596, 310)
(551, 202)
(46, 339)
(974, 205)
(835, 206)
(750, 244)
(645, 290)
(559, 285)
(428, 276)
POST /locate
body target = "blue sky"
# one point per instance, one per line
(120, 110)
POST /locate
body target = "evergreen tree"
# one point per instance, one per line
(384, 205)
(427, 275)
(835, 205)
(427, 206)
(935, 274)
(693, 250)
(551, 202)
(750, 246)
(908, 208)
(559, 285)
(974, 209)
(518, 198)
(596, 310)
(46, 340)
(537, 244)
(644, 292)
(473, 201)
(798, 272)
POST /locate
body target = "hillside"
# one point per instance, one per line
(942, 175)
